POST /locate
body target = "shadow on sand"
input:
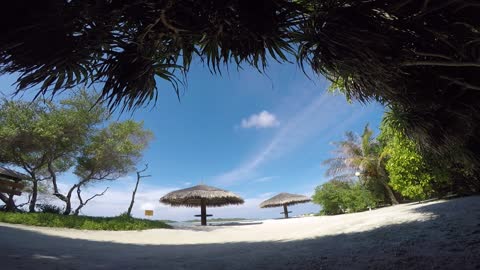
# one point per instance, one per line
(451, 240)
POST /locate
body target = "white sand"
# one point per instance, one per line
(433, 235)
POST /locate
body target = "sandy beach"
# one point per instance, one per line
(442, 234)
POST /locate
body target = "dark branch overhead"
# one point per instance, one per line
(126, 45)
(421, 58)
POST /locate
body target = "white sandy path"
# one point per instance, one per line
(434, 235)
(269, 230)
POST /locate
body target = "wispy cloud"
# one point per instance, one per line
(263, 179)
(266, 195)
(263, 119)
(319, 116)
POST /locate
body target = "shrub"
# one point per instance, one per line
(50, 208)
(408, 170)
(338, 197)
(81, 222)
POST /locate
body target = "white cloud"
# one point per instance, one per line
(266, 195)
(263, 119)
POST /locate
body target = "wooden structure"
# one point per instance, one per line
(285, 211)
(203, 212)
(202, 196)
(10, 186)
(284, 199)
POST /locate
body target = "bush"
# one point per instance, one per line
(338, 197)
(81, 222)
(408, 170)
(50, 208)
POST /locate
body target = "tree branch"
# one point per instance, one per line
(433, 55)
(139, 176)
(461, 83)
(82, 203)
(96, 195)
(442, 64)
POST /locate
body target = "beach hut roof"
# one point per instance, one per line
(192, 196)
(284, 199)
(11, 174)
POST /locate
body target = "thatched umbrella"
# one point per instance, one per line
(202, 196)
(284, 199)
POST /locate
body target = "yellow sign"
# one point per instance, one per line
(149, 213)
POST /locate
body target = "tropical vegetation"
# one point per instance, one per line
(339, 197)
(361, 155)
(119, 223)
(45, 139)
(366, 171)
(420, 57)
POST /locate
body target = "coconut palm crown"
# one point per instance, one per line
(360, 154)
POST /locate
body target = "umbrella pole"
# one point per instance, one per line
(285, 210)
(203, 213)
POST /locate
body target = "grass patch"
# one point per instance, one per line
(120, 223)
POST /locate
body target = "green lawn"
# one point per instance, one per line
(121, 223)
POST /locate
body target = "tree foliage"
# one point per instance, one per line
(338, 197)
(362, 154)
(46, 139)
(420, 56)
(27, 136)
(125, 44)
(409, 170)
(112, 151)
(108, 154)
(390, 160)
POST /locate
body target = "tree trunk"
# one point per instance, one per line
(384, 182)
(9, 202)
(56, 193)
(391, 196)
(83, 203)
(33, 201)
(68, 206)
(139, 176)
(129, 211)
(10, 205)
(53, 175)
(3, 198)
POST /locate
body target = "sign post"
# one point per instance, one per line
(149, 213)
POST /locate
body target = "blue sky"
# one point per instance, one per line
(254, 134)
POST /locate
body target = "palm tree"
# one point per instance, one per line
(360, 154)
